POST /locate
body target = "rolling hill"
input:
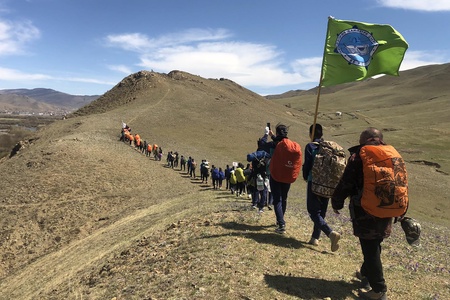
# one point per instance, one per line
(40, 100)
(84, 216)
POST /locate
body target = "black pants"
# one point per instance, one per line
(372, 267)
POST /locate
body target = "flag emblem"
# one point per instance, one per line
(356, 51)
(356, 46)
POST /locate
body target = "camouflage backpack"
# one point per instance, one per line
(328, 167)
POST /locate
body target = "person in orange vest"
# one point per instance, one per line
(149, 149)
(131, 139)
(137, 140)
(155, 152)
(370, 230)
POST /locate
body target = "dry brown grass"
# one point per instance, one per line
(84, 216)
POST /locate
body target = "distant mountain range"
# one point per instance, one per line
(41, 100)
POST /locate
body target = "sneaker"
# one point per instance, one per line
(371, 295)
(261, 210)
(334, 238)
(281, 229)
(254, 206)
(364, 281)
(314, 242)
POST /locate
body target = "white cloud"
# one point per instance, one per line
(14, 75)
(414, 59)
(425, 5)
(120, 68)
(15, 35)
(246, 63)
(138, 42)
(87, 80)
(253, 65)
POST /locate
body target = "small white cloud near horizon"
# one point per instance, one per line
(421, 5)
(120, 68)
(87, 80)
(415, 59)
(15, 75)
(14, 36)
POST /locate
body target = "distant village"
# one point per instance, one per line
(40, 114)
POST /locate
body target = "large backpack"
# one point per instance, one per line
(215, 174)
(385, 192)
(233, 179)
(328, 167)
(286, 161)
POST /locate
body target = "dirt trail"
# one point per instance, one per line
(51, 270)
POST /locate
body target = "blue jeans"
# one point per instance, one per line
(259, 198)
(280, 192)
(317, 208)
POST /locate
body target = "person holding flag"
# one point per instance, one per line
(356, 51)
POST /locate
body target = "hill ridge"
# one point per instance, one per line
(75, 182)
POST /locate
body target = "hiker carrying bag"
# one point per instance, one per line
(328, 167)
(286, 161)
(385, 192)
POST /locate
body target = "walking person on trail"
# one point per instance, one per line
(182, 163)
(233, 181)
(204, 170)
(249, 184)
(221, 178)
(284, 166)
(176, 159)
(193, 167)
(215, 177)
(189, 162)
(373, 203)
(227, 177)
(316, 205)
(240, 179)
(160, 153)
(149, 150)
(155, 151)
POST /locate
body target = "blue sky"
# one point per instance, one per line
(85, 47)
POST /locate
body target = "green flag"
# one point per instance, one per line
(356, 51)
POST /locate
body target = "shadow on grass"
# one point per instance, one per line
(206, 188)
(253, 232)
(311, 288)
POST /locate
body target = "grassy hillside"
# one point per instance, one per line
(84, 216)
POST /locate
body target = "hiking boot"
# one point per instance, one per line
(334, 238)
(314, 242)
(371, 295)
(364, 281)
(281, 229)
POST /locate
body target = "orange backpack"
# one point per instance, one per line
(385, 192)
(286, 161)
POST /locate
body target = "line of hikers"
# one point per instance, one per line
(276, 164)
